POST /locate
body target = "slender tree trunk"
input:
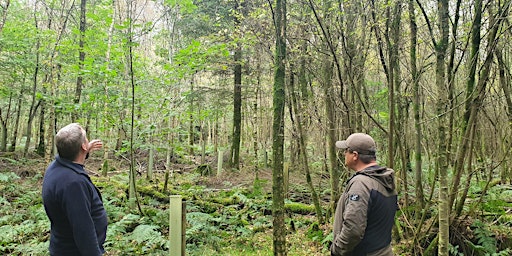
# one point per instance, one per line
(297, 112)
(470, 91)
(151, 157)
(504, 79)
(442, 163)
(392, 41)
(416, 108)
(237, 108)
(14, 139)
(5, 122)
(331, 133)
(450, 78)
(256, 119)
(81, 56)
(33, 107)
(234, 159)
(278, 211)
(191, 132)
(41, 144)
(132, 192)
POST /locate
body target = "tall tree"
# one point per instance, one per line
(33, 105)
(81, 55)
(442, 163)
(416, 106)
(278, 211)
(237, 92)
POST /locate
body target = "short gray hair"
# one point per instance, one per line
(68, 140)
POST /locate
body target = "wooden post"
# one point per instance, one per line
(219, 163)
(175, 226)
(183, 227)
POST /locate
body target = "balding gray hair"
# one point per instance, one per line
(68, 140)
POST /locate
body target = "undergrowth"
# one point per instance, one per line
(233, 221)
(220, 221)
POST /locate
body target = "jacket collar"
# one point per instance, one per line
(78, 168)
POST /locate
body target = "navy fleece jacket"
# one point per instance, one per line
(75, 209)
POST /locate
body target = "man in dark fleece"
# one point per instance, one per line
(366, 210)
(71, 201)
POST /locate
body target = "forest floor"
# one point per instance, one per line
(217, 195)
(227, 213)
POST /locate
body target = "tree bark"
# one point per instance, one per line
(5, 122)
(81, 56)
(278, 211)
(14, 138)
(416, 109)
(441, 110)
(33, 106)
(504, 80)
(237, 109)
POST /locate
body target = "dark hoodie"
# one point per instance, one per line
(75, 209)
(365, 214)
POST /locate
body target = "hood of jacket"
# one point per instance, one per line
(384, 175)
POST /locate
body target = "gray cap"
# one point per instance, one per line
(360, 142)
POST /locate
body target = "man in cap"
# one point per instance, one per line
(366, 210)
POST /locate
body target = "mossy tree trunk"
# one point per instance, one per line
(442, 161)
(278, 210)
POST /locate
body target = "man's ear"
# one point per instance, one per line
(85, 146)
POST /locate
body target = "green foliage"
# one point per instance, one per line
(486, 243)
(186, 6)
(236, 220)
(454, 250)
(299, 208)
(8, 177)
(257, 188)
(24, 227)
(148, 238)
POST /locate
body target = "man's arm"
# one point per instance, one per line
(354, 219)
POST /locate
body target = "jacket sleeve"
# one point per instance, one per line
(77, 204)
(355, 200)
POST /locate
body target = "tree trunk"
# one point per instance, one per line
(81, 57)
(151, 156)
(470, 90)
(237, 107)
(416, 108)
(33, 107)
(442, 161)
(14, 139)
(504, 80)
(191, 135)
(392, 41)
(41, 144)
(278, 211)
(132, 190)
(5, 122)
(297, 112)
